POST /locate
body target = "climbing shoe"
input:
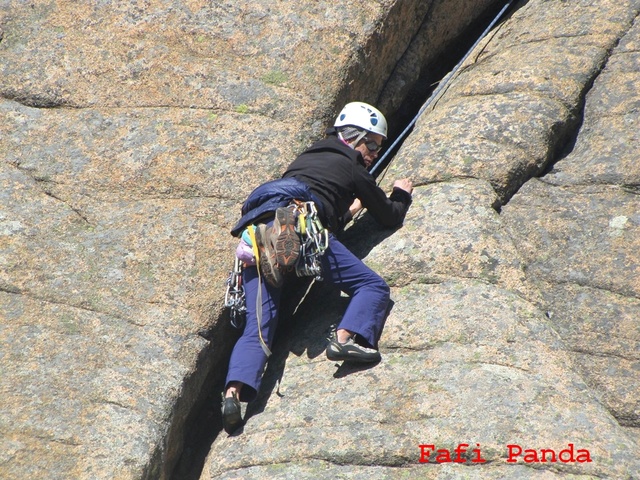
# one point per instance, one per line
(231, 413)
(351, 352)
(268, 266)
(286, 242)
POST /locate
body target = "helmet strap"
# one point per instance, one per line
(358, 138)
(350, 140)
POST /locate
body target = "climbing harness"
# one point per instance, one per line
(314, 241)
(436, 93)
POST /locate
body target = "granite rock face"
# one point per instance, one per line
(464, 361)
(509, 123)
(586, 253)
(130, 133)
(514, 280)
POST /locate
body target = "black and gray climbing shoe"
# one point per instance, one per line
(286, 243)
(351, 352)
(267, 262)
(231, 413)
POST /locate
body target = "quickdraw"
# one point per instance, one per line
(314, 240)
(234, 298)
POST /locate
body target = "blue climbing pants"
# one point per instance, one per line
(365, 314)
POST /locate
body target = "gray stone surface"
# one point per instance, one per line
(601, 331)
(84, 392)
(463, 362)
(424, 56)
(586, 253)
(604, 153)
(451, 231)
(129, 135)
(592, 238)
(515, 299)
(519, 98)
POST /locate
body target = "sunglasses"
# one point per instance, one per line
(371, 145)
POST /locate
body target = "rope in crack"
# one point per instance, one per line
(446, 81)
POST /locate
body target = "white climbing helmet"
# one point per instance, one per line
(362, 115)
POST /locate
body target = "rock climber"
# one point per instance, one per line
(333, 175)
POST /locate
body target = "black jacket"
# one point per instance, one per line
(336, 175)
